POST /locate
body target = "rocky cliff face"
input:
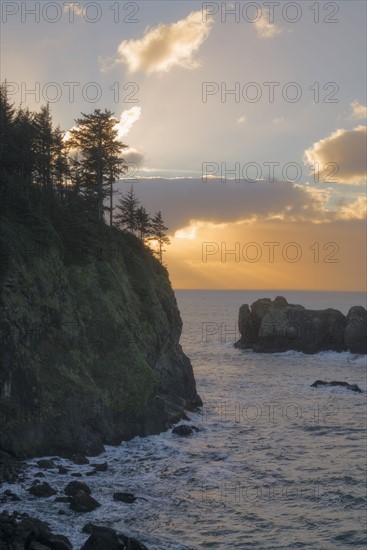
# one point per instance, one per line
(276, 326)
(90, 351)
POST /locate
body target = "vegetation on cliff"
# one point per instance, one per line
(90, 328)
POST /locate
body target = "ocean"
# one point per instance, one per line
(276, 464)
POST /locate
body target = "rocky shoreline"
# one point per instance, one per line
(21, 531)
(277, 326)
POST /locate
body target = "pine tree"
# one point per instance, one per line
(43, 145)
(143, 223)
(159, 234)
(95, 136)
(7, 139)
(127, 211)
(24, 137)
(60, 167)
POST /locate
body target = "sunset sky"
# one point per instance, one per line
(246, 124)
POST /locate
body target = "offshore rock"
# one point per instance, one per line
(355, 334)
(276, 326)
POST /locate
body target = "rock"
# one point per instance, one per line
(42, 490)
(63, 470)
(352, 387)
(30, 529)
(10, 468)
(77, 474)
(39, 474)
(184, 430)
(59, 542)
(103, 538)
(63, 499)
(34, 545)
(100, 467)
(355, 333)
(276, 326)
(128, 498)
(29, 533)
(247, 328)
(83, 502)
(74, 486)
(46, 463)
(80, 460)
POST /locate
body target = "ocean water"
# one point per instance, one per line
(276, 464)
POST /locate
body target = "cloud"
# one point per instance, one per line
(134, 157)
(166, 46)
(341, 157)
(187, 200)
(356, 210)
(127, 120)
(266, 29)
(358, 111)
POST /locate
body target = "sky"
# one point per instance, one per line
(245, 121)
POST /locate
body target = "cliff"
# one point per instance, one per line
(90, 351)
(276, 326)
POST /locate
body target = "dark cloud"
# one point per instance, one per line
(185, 199)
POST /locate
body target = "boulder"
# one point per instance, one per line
(83, 502)
(46, 463)
(128, 498)
(42, 490)
(59, 542)
(184, 430)
(100, 467)
(355, 333)
(29, 533)
(74, 486)
(103, 538)
(353, 387)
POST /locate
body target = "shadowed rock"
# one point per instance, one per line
(74, 486)
(184, 430)
(355, 334)
(83, 502)
(276, 326)
(128, 498)
(42, 490)
(29, 533)
(105, 538)
(353, 387)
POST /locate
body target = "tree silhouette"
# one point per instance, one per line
(159, 234)
(143, 223)
(7, 138)
(127, 211)
(95, 136)
(43, 145)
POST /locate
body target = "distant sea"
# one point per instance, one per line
(276, 464)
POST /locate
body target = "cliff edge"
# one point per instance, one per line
(90, 351)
